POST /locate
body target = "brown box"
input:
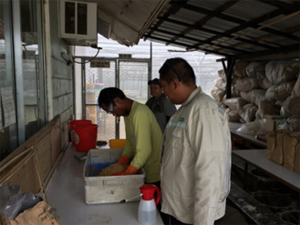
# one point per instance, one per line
(290, 143)
(297, 158)
(275, 146)
(284, 149)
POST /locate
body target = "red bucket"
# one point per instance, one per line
(75, 122)
(85, 137)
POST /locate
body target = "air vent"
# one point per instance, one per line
(104, 24)
(78, 20)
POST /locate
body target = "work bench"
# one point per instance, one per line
(249, 153)
(242, 199)
(242, 140)
(66, 194)
(259, 159)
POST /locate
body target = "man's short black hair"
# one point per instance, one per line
(107, 95)
(177, 68)
(154, 81)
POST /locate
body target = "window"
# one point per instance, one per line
(21, 73)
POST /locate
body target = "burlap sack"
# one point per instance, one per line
(220, 84)
(257, 115)
(235, 92)
(255, 68)
(267, 107)
(233, 115)
(235, 103)
(280, 91)
(221, 74)
(239, 69)
(218, 94)
(247, 112)
(296, 89)
(293, 124)
(40, 214)
(254, 96)
(281, 71)
(263, 82)
(246, 84)
(291, 107)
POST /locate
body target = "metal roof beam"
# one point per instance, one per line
(244, 24)
(185, 45)
(280, 51)
(284, 7)
(254, 24)
(176, 6)
(216, 33)
(196, 40)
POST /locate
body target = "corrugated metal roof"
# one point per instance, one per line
(240, 28)
(244, 29)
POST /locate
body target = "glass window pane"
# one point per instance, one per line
(96, 79)
(8, 134)
(32, 84)
(82, 18)
(70, 17)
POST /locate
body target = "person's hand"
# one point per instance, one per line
(124, 160)
(129, 171)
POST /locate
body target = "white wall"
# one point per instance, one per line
(61, 92)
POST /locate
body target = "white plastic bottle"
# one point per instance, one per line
(147, 212)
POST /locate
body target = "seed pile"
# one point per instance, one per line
(111, 169)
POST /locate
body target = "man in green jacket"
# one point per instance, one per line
(143, 134)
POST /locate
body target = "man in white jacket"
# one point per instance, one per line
(196, 152)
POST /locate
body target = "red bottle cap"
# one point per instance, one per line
(148, 192)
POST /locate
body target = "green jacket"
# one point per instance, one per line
(143, 141)
(161, 109)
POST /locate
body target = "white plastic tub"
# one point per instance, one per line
(108, 189)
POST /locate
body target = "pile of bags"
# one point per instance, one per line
(261, 89)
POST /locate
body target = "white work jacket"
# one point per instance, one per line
(196, 161)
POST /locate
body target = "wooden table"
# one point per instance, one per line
(66, 194)
(258, 158)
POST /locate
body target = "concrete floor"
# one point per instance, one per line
(234, 217)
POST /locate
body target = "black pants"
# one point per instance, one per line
(168, 219)
(173, 221)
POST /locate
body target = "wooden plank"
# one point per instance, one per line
(47, 144)
(56, 147)
(26, 177)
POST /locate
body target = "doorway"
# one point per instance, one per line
(130, 75)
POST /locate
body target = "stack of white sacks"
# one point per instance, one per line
(262, 89)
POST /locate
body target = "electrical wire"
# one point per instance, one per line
(84, 62)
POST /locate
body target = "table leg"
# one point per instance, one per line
(245, 176)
